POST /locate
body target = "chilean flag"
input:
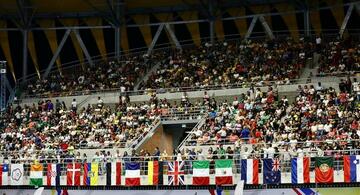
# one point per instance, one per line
(300, 170)
(53, 174)
(250, 171)
(352, 168)
(4, 174)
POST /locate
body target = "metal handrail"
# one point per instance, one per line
(227, 142)
(188, 89)
(197, 126)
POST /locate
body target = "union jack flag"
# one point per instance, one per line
(276, 164)
(176, 173)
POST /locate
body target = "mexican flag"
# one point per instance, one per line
(201, 172)
(324, 170)
(223, 172)
(36, 175)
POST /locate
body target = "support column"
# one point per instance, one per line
(212, 22)
(173, 36)
(83, 47)
(3, 82)
(307, 23)
(25, 53)
(118, 13)
(117, 41)
(251, 27)
(156, 37)
(346, 20)
(56, 54)
(266, 27)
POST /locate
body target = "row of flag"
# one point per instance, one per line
(300, 172)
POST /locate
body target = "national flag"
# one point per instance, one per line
(300, 170)
(132, 174)
(272, 174)
(201, 172)
(113, 174)
(53, 174)
(223, 172)
(324, 170)
(250, 171)
(36, 174)
(305, 191)
(219, 191)
(153, 172)
(91, 174)
(352, 168)
(4, 172)
(73, 174)
(17, 174)
(176, 173)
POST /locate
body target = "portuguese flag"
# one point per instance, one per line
(324, 170)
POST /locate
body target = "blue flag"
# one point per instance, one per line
(272, 174)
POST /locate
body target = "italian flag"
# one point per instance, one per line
(36, 175)
(223, 172)
(201, 172)
(324, 170)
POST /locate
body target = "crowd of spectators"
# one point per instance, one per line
(55, 129)
(224, 63)
(320, 121)
(239, 63)
(339, 56)
(121, 75)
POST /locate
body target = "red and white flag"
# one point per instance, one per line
(73, 174)
(53, 174)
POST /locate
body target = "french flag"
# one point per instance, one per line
(132, 174)
(300, 170)
(250, 171)
(352, 168)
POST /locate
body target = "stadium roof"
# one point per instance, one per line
(95, 8)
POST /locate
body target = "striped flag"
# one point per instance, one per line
(250, 171)
(223, 172)
(113, 174)
(53, 174)
(36, 174)
(132, 174)
(4, 172)
(91, 174)
(300, 170)
(201, 172)
(352, 168)
(153, 172)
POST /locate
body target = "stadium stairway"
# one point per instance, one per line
(147, 75)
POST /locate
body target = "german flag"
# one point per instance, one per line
(155, 173)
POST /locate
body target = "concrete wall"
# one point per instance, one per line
(161, 139)
(113, 97)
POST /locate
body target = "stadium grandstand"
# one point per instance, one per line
(180, 97)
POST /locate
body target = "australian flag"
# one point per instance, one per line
(272, 173)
